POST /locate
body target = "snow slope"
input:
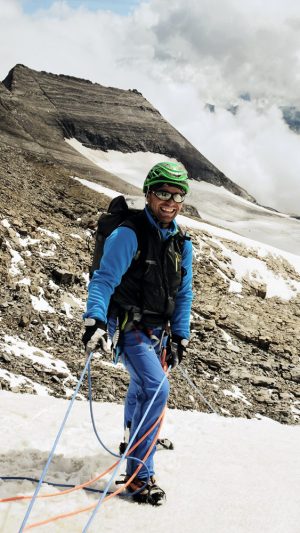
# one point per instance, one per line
(214, 204)
(225, 475)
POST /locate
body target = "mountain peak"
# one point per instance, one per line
(52, 107)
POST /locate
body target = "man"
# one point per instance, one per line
(150, 294)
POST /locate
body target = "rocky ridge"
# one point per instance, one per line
(244, 351)
(39, 110)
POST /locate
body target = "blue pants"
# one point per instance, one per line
(142, 360)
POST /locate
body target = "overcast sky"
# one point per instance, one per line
(182, 54)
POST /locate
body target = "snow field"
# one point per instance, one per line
(216, 205)
(233, 475)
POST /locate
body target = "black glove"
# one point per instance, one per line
(175, 350)
(95, 335)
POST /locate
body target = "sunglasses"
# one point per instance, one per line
(165, 195)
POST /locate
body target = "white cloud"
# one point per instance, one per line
(251, 46)
(180, 55)
(256, 149)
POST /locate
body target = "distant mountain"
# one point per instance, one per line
(39, 110)
(290, 113)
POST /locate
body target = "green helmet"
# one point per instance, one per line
(170, 173)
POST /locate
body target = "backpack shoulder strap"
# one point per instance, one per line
(140, 225)
(179, 238)
(117, 212)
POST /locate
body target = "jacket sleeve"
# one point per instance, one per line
(180, 322)
(119, 250)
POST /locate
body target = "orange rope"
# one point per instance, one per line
(89, 508)
(86, 483)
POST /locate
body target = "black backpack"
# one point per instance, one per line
(117, 213)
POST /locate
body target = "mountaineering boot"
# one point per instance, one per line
(144, 491)
(164, 444)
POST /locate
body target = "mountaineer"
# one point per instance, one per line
(142, 289)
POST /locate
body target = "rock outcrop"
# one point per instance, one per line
(41, 109)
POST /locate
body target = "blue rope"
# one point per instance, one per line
(55, 444)
(124, 454)
(92, 415)
(187, 377)
(50, 457)
(95, 429)
(66, 485)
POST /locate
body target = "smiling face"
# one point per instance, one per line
(164, 210)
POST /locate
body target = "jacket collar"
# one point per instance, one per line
(165, 232)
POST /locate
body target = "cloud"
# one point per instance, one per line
(257, 150)
(232, 46)
(181, 55)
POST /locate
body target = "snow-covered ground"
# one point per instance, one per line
(224, 475)
(13, 345)
(214, 204)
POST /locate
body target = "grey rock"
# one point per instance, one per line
(262, 381)
(259, 289)
(295, 374)
(209, 325)
(5, 357)
(25, 320)
(240, 373)
(267, 365)
(212, 361)
(63, 277)
(287, 396)
(263, 397)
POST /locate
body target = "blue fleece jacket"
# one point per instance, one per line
(119, 250)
